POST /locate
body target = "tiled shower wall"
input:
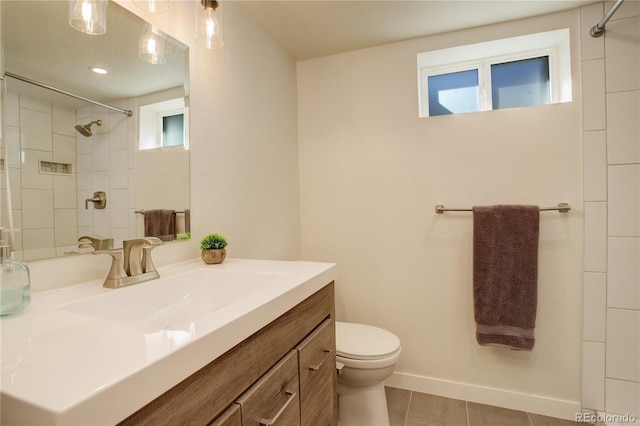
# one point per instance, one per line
(611, 112)
(48, 208)
(36, 131)
(106, 163)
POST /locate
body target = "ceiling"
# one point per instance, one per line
(312, 28)
(40, 45)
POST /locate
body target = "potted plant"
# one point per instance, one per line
(212, 247)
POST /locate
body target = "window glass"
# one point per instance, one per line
(453, 93)
(173, 130)
(520, 83)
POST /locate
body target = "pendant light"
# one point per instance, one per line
(209, 24)
(152, 46)
(152, 6)
(88, 16)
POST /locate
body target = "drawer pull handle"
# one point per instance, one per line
(270, 422)
(319, 366)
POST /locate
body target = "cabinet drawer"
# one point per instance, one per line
(231, 417)
(274, 400)
(317, 360)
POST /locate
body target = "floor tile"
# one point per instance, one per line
(436, 410)
(483, 415)
(397, 404)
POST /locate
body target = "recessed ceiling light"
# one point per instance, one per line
(98, 70)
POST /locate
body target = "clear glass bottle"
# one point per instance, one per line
(15, 293)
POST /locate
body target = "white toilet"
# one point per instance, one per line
(369, 355)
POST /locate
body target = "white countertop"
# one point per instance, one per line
(63, 366)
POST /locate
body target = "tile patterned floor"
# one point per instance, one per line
(408, 408)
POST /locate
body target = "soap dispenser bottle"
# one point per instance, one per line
(14, 283)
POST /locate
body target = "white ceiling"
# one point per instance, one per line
(311, 28)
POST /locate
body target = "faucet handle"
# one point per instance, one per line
(95, 241)
(147, 261)
(153, 241)
(117, 271)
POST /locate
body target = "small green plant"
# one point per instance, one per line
(213, 242)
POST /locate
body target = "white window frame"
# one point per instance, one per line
(480, 56)
(150, 122)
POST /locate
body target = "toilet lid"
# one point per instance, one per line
(360, 341)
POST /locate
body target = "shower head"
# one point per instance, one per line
(85, 129)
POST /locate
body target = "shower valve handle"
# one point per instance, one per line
(99, 200)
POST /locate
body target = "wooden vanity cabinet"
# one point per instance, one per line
(317, 370)
(231, 417)
(293, 353)
(274, 399)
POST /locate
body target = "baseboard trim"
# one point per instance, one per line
(491, 396)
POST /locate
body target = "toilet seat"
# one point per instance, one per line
(361, 342)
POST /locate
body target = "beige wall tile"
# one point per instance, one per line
(623, 344)
(623, 127)
(38, 243)
(35, 130)
(623, 279)
(64, 120)
(595, 306)
(595, 166)
(66, 229)
(593, 359)
(591, 47)
(64, 192)
(595, 236)
(623, 397)
(37, 208)
(594, 113)
(624, 200)
(30, 173)
(623, 54)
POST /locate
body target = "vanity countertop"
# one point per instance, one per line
(67, 360)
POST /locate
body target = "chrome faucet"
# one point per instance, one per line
(132, 264)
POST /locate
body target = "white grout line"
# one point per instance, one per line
(406, 413)
(529, 417)
(466, 406)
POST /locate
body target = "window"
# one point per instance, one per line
(164, 124)
(516, 72)
(453, 93)
(173, 130)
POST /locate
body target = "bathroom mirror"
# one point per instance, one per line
(50, 169)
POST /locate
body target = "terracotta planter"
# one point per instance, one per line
(213, 256)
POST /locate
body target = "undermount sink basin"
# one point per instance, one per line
(176, 300)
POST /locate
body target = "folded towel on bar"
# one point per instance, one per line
(160, 224)
(505, 274)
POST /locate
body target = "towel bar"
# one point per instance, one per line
(142, 212)
(562, 208)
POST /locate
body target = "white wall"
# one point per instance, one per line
(611, 96)
(371, 175)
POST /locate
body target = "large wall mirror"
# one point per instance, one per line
(53, 170)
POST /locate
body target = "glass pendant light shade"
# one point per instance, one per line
(209, 24)
(153, 6)
(152, 46)
(88, 16)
